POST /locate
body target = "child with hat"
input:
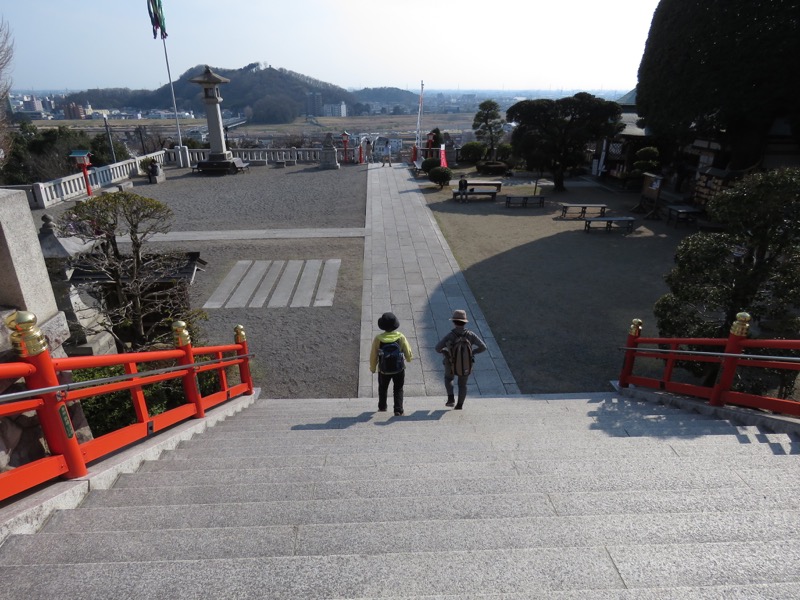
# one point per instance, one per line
(445, 347)
(388, 354)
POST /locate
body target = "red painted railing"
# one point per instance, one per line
(68, 458)
(730, 354)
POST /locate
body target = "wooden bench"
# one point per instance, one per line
(623, 222)
(566, 206)
(524, 200)
(471, 193)
(498, 185)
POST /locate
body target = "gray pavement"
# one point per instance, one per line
(410, 270)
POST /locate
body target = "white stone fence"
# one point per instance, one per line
(72, 187)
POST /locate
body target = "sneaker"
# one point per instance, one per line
(450, 403)
(398, 413)
(459, 407)
(381, 409)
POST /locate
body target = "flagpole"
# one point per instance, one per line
(419, 113)
(172, 89)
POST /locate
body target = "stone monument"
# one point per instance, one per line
(328, 158)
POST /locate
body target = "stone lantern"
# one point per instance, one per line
(220, 158)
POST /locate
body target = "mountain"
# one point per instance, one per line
(264, 94)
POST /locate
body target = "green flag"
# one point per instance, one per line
(157, 18)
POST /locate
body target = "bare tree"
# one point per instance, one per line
(139, 294)
(6, 56)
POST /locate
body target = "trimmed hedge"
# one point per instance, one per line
(440, 176)
(430, 163)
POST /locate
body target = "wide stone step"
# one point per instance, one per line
(416, 481)
(398, 537)
(497, 463)
(333, 510)
(442, 451)
(773, 443)
(532, 571)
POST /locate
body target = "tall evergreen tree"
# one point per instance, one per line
(488, 124)
(727, 68)
(553, 133)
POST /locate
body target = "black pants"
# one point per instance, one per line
(383, 387)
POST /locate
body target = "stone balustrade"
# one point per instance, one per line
(73, 187)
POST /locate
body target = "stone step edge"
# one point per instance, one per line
(29, 513)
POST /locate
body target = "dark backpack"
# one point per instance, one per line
(461, 355)
(391, 359)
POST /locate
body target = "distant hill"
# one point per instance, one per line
(386, 95)
(263, 94)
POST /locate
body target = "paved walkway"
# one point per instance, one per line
(410, 270)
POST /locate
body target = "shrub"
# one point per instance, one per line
(440, 176)
(492, 168)
(430, 163)
(472, 152)
(504, 152)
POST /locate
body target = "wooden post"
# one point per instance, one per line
(244, 368)
(31, 346)
(183, 341)
(634, 332)
(738, 333)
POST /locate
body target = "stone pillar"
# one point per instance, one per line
(26, 286)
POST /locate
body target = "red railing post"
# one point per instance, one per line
(183, 341)
(31, 346)
(634, 332)
(244, 368)
(729, 363)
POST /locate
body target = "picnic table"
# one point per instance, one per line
(567, 206)
(623, 222)
(472, 193)
(683, 213)
(498, 185)
(524, 200)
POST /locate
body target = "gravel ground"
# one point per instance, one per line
(300, 352)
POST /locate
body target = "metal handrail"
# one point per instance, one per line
(66, 387)
(720, 354)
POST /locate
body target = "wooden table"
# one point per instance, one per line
(683, 213)
(482, 183)
(565, 206)
(624, 222)
(524, 200)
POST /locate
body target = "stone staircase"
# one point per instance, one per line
(590, 496)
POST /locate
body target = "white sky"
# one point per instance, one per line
(448, 44)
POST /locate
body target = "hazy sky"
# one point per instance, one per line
(448, 44)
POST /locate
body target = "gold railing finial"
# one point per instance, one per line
(742, 324)
(636, 327)
(239, 334)
(26, 338)
(181, 335)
